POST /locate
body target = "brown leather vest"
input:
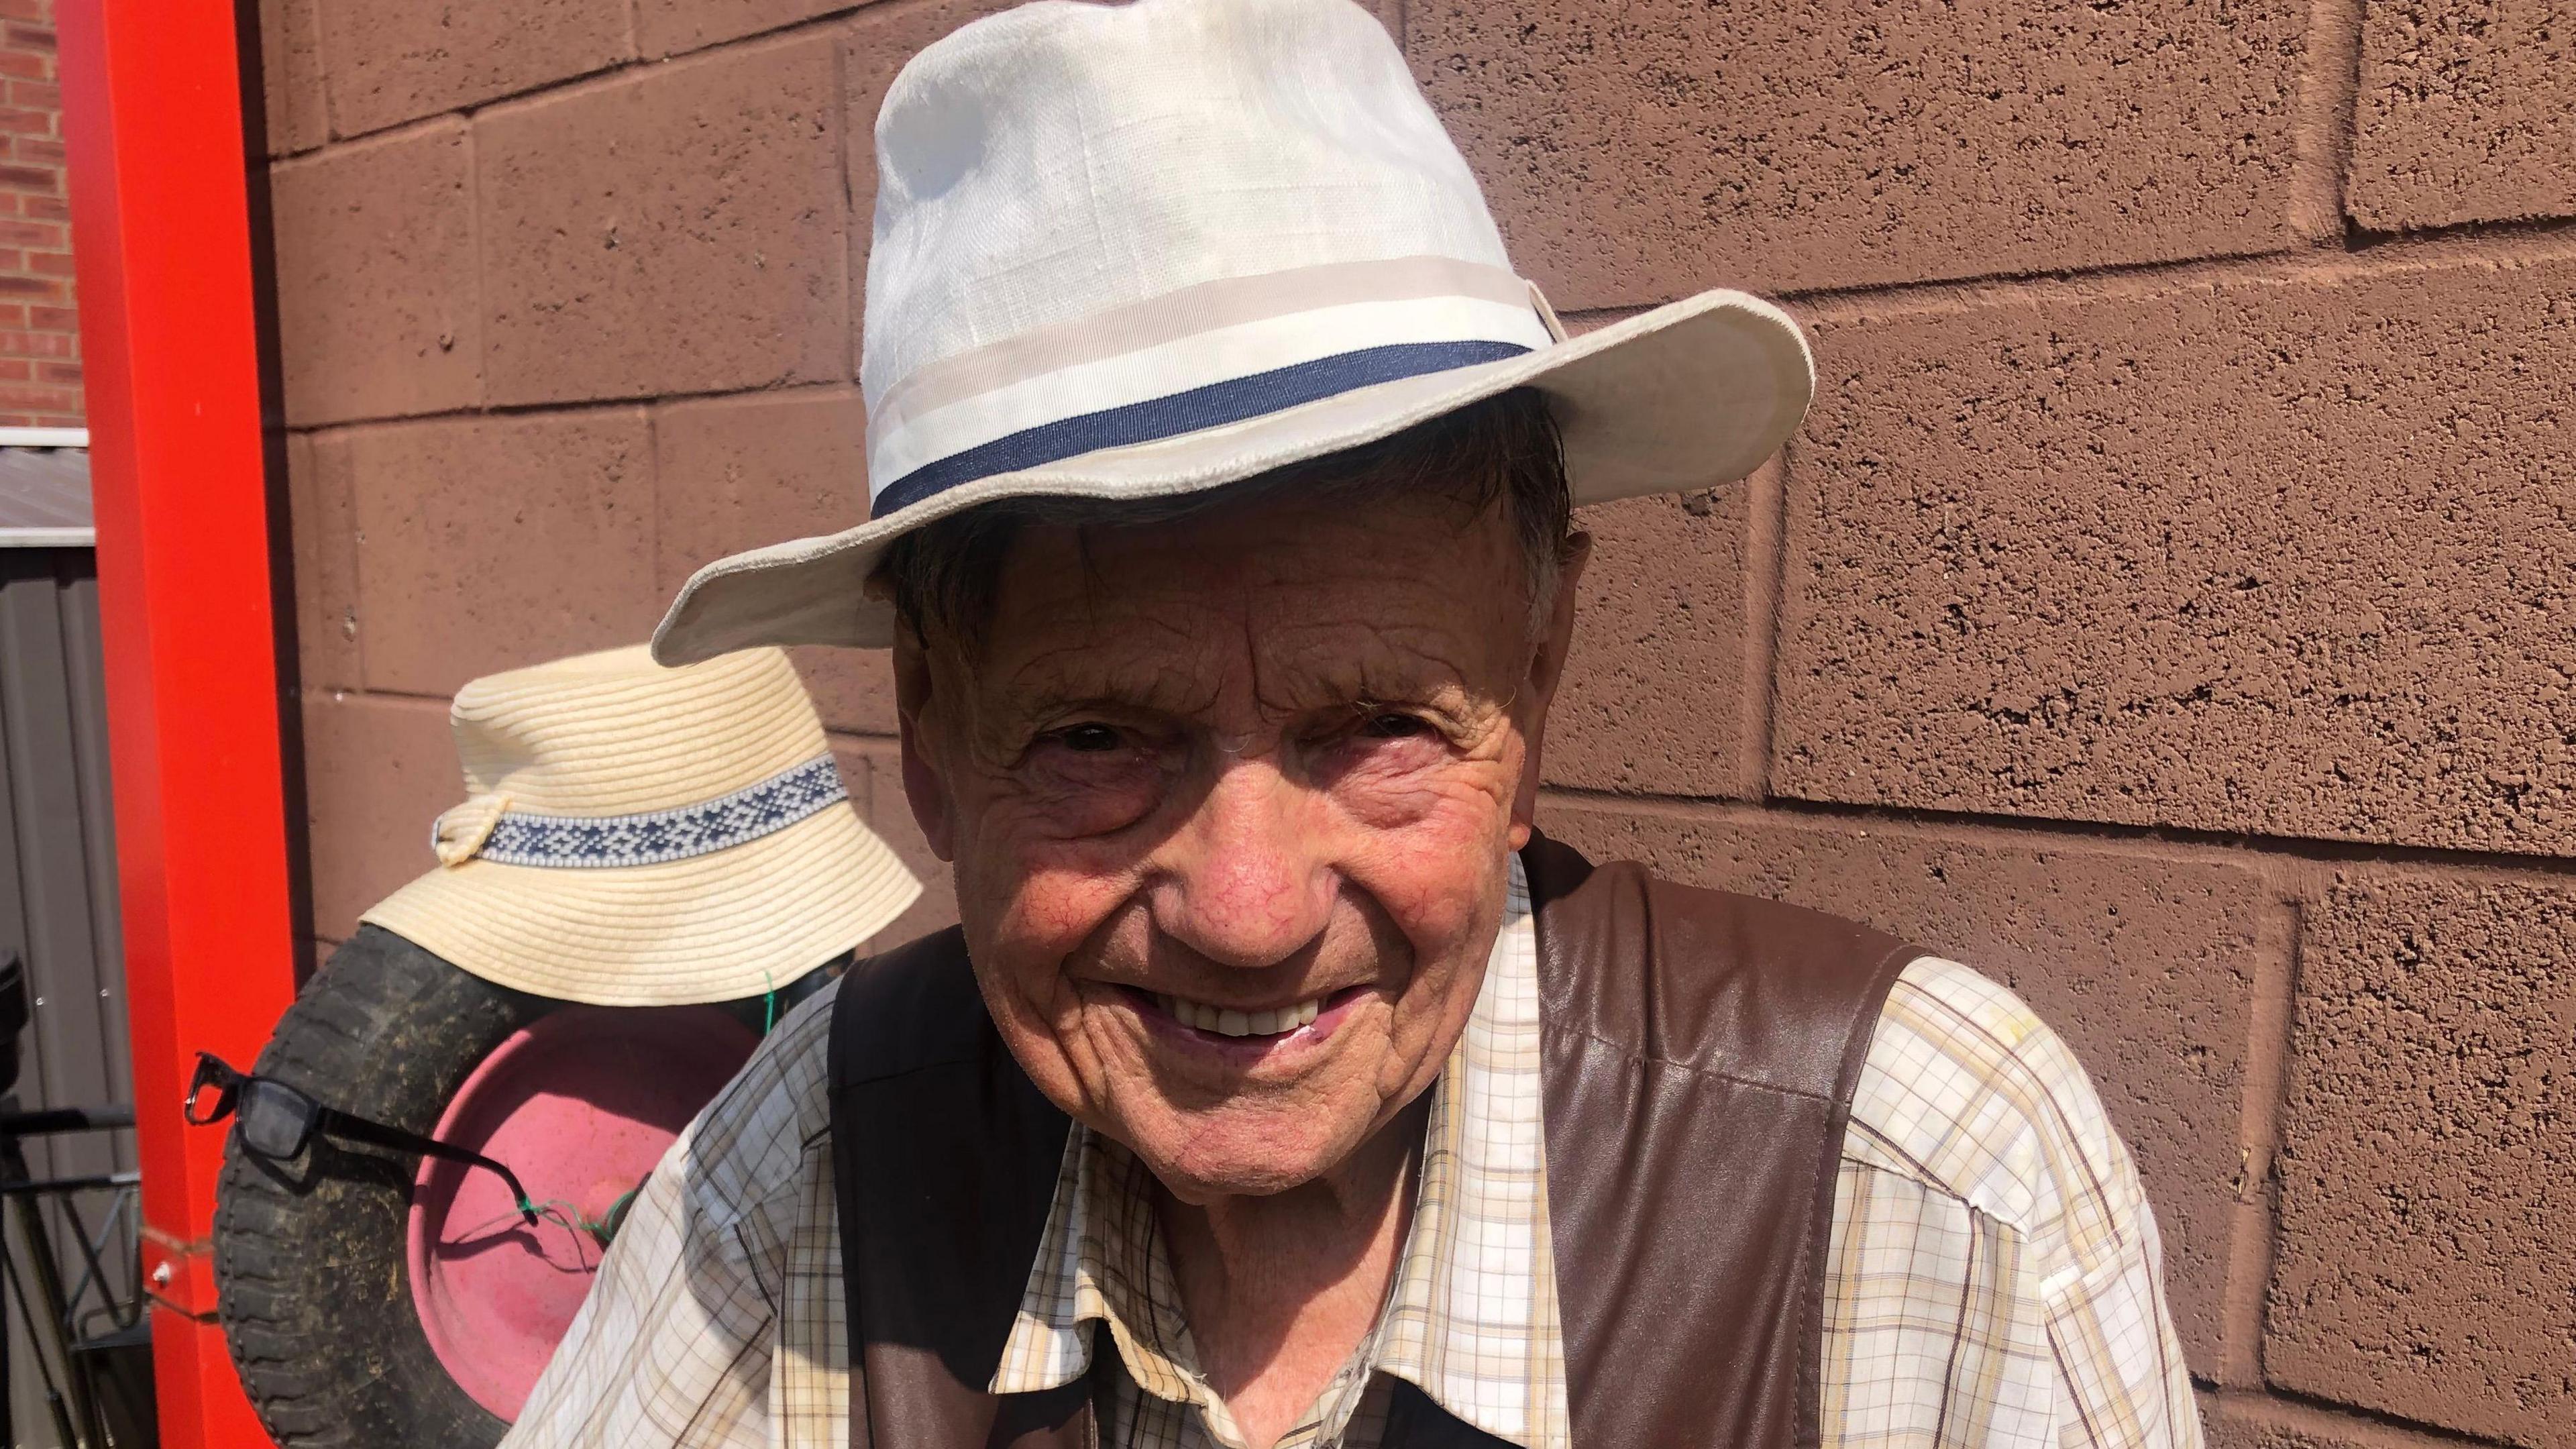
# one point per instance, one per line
(1699, 1052)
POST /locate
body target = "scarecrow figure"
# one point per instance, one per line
(437, 1145)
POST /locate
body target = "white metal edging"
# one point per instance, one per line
(44, 437)
(48, 538)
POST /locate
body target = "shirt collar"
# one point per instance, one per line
(1471, 1319)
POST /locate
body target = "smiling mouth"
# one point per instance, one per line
(1231, 1030)
(1225, 1021)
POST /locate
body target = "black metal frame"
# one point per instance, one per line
(92, 1407)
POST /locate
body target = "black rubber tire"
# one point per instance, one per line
(310, 1254)
(309, 1268)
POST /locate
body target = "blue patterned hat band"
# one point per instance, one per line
(486, 828)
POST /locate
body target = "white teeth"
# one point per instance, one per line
(1224, 1022)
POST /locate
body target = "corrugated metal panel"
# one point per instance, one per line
(58, 894)
(44, 498)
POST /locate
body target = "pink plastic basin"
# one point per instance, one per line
(580, 1105)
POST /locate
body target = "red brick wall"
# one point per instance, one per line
(2168, 608)
(40, 371)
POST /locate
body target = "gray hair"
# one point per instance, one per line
(946, 575)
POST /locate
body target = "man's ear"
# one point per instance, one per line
(1547, 659)
(923, 788)
(1546, 671)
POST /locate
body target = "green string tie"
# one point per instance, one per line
(565, 1215)
(604, 1227)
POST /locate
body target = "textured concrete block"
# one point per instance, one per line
(877, 43)
(1654, 691)
(2250, 1421)
(376, 308)
(740, 472)
(2146, 966)
(669, 27)
(2427, 1178)
(397, 60)
(290, 61)
(679, 230)
(491, 543)
(324, 524)
(878, 764)
(376, 773)
(1639, 152)
(2285, 557)
(2466, 112)
(853, 689)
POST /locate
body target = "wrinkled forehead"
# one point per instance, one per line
(1301, 603)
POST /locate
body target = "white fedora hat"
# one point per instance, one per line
(1130, 251)
(641, 836)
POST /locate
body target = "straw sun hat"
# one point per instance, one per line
(1131, 251)
(641, 836)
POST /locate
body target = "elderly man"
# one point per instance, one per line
(1281, 1086)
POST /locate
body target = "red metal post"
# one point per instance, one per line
(161, 229)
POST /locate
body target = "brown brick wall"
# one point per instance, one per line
(2168, 607)
(40, 369)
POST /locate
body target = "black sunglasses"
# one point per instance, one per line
(277, 1121)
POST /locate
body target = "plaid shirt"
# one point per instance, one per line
(1993, 1275)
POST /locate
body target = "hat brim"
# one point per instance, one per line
(738, 922)
(1691, 394)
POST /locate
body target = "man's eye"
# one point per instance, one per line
(1089, 739)
(1389, 725)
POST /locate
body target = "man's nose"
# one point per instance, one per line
(1244, 883)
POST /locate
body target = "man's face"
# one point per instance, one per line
(1229, 800)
